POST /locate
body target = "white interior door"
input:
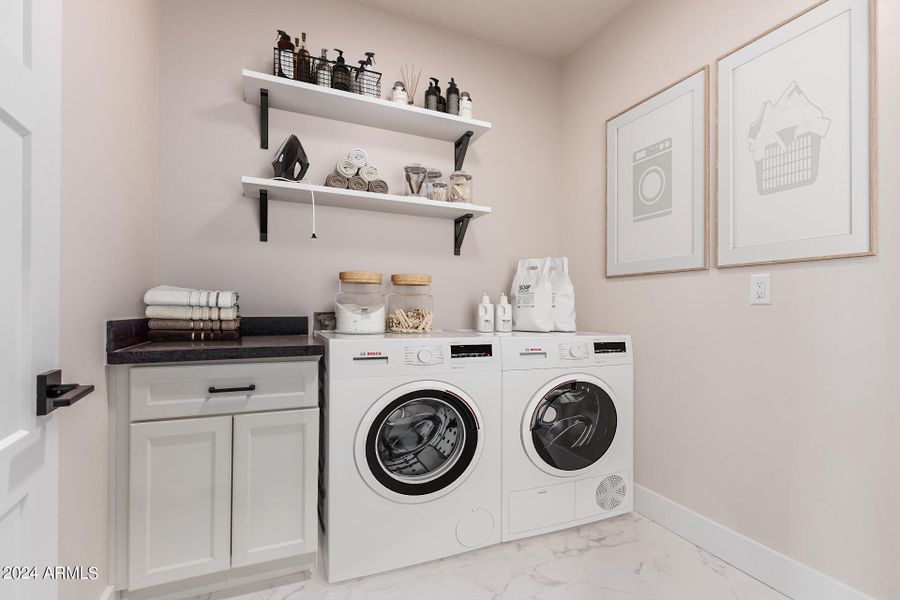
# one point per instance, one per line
(29, 287)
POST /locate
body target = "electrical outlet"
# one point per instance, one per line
(761, 288)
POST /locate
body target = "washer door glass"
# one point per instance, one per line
(573, 425)
(422, 442)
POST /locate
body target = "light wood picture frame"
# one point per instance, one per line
(657, 181)
(795, 140)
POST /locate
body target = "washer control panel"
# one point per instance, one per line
(575, 351)
(398, 354)
(423, 355)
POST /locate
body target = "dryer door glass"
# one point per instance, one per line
(422, 442)
(573, 425)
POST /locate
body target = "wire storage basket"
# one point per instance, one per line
(313, 69)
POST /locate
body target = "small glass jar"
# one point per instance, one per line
(414, 180)
(460, 187)
(410, 304)
(439, 191)
(431, 176)
(359, 306)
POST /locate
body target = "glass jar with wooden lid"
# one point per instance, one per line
(410, 304)
(359, 303)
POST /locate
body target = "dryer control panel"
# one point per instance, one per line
(546, 351)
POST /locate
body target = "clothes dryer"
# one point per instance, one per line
(567, 430)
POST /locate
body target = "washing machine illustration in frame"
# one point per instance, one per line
(652, 181)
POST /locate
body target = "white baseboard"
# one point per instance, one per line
(776, 570)
(109, 593)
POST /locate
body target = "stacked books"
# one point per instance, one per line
(185, 314)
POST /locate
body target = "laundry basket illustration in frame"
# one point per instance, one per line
(786, 142)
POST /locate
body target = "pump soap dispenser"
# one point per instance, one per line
(452, 98)
(441, 101)
(431, 96)
(340, 76)
(485, 322)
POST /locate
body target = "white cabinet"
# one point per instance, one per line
(212, 488)
(274, 495)
(179, 500)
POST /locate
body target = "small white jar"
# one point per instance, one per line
(398, 94)
(465, 106)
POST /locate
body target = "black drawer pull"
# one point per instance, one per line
(215, 390)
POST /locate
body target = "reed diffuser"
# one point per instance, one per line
(410, 78)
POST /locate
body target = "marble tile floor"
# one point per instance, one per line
(626, 558)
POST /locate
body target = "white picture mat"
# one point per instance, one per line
(676, 241)
(831, 217)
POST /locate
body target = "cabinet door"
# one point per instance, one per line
(274, 504)
(179, 500)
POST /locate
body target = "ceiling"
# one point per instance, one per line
(549, 29)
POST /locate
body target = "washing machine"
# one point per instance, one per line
(410, 453)
(567, 430)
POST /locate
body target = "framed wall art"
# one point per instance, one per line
(657, 181)
(795, 135)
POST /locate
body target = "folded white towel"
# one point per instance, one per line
(346, 167)
(359, 157)
(368, 173)
(167, 295)
(192, 313)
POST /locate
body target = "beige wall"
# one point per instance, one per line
(109, 141)
(208, 235)
(777, 421)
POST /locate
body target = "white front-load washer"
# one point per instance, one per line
(567, 430)
(410, 453)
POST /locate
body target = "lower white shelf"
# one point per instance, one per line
(259, 188)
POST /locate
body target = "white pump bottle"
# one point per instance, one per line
(485, 318)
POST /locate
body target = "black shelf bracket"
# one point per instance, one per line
(52, 393)
(460, 147)
(263, 118)
(263, 215)
(460, 225)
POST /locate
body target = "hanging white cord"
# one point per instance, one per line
(312, 195)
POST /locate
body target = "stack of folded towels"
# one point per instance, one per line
(354, 172)
(192, 315)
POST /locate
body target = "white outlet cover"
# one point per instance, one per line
(761, 288)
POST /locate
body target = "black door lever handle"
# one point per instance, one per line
(52, 393)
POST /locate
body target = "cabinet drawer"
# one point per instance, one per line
(197, 390)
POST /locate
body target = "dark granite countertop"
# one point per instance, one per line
(263, 337)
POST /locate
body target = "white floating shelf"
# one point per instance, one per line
(299, 97)
(271, 189)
